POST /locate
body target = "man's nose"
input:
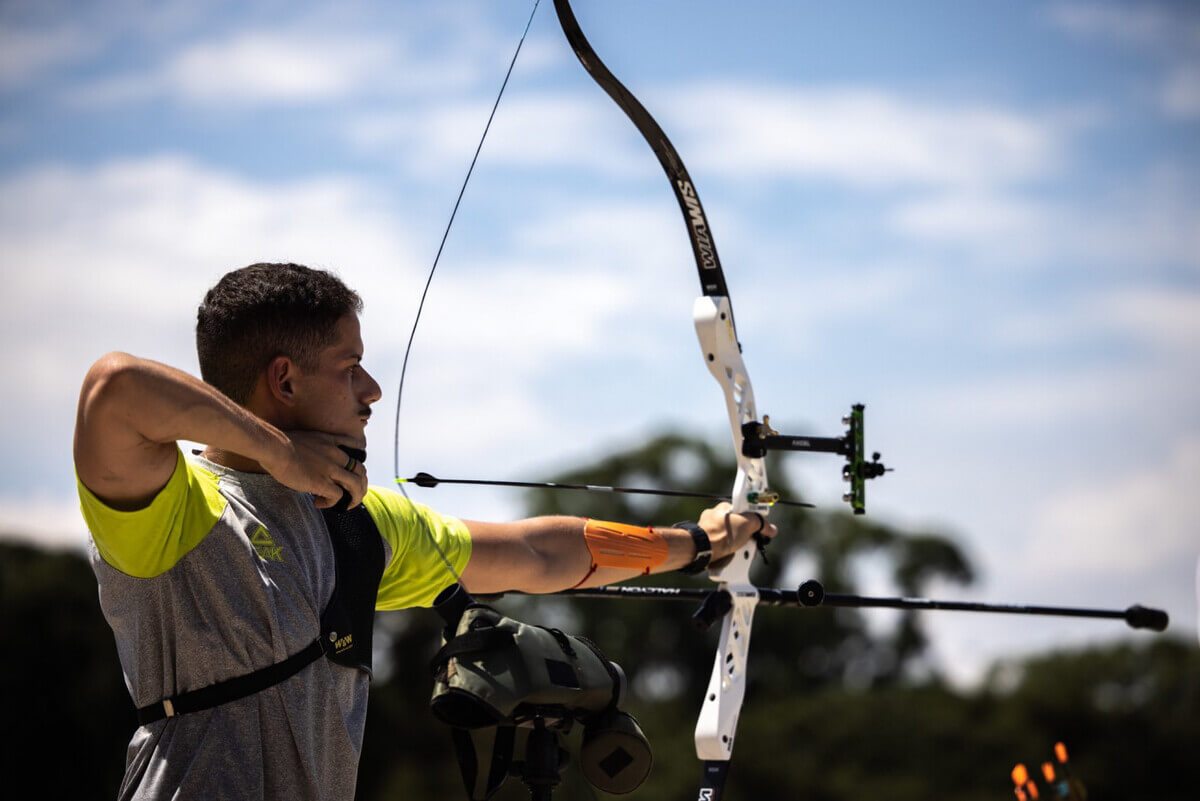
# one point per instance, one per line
(371, 392)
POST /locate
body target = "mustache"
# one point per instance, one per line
(364, 413)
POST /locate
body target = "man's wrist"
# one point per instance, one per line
(703, 546)
(274, 448)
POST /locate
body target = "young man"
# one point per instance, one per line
(219, 567)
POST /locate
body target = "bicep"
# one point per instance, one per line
(502, 558)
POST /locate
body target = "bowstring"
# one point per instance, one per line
(425, 292)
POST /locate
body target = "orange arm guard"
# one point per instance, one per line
(620, 545)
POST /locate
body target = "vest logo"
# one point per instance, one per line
(265, 546)
(342, 643)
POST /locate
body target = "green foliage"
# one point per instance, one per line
(65, 701)
(1109, 702)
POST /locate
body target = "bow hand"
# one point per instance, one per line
(730, 531)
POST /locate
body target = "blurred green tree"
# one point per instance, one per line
(66, 708)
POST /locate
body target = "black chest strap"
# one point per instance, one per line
(349, 619)
(231, 689)
(346, 623)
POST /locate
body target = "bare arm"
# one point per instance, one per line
(132, 411)
(548, 554)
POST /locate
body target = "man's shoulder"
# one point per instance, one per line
(387, 506)
(176, 520)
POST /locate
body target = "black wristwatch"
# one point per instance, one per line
(703, 547)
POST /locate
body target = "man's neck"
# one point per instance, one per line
(232, 460)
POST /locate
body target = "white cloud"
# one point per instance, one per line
(546, 131)
(1141, 24)
(266, 66)
(48, 36)
(883, 291)
(1169, 34)
(1148, 222)
(27, 54)
(1083, 396)
(862, 136)
(1124, 528)
(1181, 92)
(253, 67)
(1165, 320)
(128, 235)
(981, 219)
(314, 55)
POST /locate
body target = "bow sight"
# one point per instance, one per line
(758, 438)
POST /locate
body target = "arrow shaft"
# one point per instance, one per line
(425, 480)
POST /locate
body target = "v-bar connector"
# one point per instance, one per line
(758, 438)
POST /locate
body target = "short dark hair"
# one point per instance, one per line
(262, 311)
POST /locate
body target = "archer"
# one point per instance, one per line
(226, 577)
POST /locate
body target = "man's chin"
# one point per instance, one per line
(356, 438)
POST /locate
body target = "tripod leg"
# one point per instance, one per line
(540, 770)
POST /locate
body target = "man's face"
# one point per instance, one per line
(336, 397)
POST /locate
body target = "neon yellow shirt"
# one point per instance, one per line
(222, 574)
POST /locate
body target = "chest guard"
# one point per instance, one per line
(349, 619)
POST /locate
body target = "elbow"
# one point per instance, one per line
(109, 366)
(105, 379)
(529, 568)
(556, 562)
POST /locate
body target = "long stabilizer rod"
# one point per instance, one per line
(812, 594)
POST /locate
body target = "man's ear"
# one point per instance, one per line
(280, 379)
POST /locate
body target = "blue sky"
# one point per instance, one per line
(980, 219)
